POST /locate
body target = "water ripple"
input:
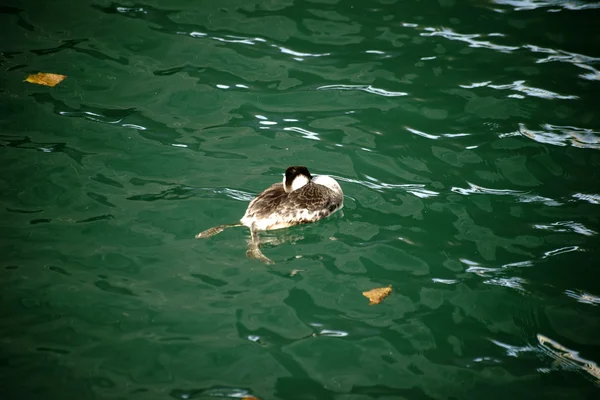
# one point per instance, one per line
(435, 137)
(495, 275)
(521, 5)
(590, 198)
(179, 114)
(567, 226)
(304, 132)
(445, 281)
(563, 358)
(583, 297)
(251, 41)
(561, 55)
(512, 283)
(511, 350)
(578, 60)
(364, 88)
(469, 38)
(563, 136)
(561, 250)
(519, 86)
(234, 194)
(372, 183)
(568, 359)
(524, 197)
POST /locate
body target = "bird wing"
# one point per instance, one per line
(311, 197)
(264, 204)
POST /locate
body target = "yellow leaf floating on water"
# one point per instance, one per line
(46, 79)
(250, 398)
(377, 295)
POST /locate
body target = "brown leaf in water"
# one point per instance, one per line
(377, 295)
(250, 398)
(46, 79)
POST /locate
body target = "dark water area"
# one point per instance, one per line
(466, 138)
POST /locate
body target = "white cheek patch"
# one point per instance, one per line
(299, 181)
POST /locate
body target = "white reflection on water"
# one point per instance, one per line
(98, 117)
(445, 281)
(583, 297)
(482, 271)
(593, 76)
(561, 250)
(364, 88)
(567, 359)
(224, 39)
(513, 351)
(299, 54)
(512, 283)
(131, 10)
(423, 134)
(520, 5)
(234, 39)
(563, 136)
(579, 60)
(194, 34)
(251, 41)
(91, 116)
(563, 357)
(134, 126)
(487, 271)
(304, 132)
(468, 38)
(435, 137)
(372, 183)
(567, 226)
(333, 333)
(520, 86)
(232, 193)
(590, 198)
(223, 392)
(487, 360)
(523, 197)
(495, 274)
(519, 264)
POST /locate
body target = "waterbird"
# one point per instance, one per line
(299, 199)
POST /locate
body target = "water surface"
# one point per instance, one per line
(465, 136)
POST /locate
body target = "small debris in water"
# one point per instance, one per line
(295, 271)
(377, 295)
(46, 79)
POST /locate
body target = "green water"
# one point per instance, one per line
(466, 138)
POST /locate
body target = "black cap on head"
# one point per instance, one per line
(293, 172)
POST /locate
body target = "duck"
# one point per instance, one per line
(299, 199)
